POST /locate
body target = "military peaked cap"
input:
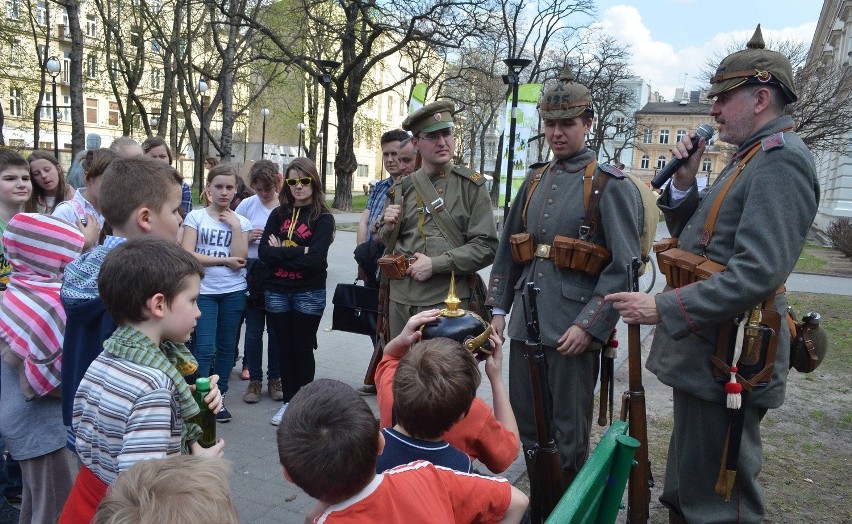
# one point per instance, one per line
(431, 117)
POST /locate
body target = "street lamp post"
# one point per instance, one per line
(199, 157)
(154, 120)
(54, 66)
(265, 113)
(301, 127)
(515, 66)
(326, 66)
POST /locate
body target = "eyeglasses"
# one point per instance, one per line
(305, 181)
(435, 135)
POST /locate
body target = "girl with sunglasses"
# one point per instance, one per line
(294, 247)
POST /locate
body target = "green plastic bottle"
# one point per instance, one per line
(206, 419)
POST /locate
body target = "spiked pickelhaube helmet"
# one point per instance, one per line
(566, 99)
(465, 327)
(754, 65)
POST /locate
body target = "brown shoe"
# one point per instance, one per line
(252, 395)
(275, 390)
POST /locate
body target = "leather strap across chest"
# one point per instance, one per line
(710, 223)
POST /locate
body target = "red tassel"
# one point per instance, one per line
(613, 343)
(733, 387)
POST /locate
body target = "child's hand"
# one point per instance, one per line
(214, 398)
(494, 362)
(88, 225)
(273, 241)
(255, 234)
(234, 262)
(411, 332)
(217, 450)
(229, 217)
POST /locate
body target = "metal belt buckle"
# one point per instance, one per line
(584, 232)
(423, 210)
(438, 204)
(542, 251)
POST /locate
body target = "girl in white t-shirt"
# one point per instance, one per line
(218, 237)
(263, 179)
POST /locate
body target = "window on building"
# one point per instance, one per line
(65, 110)
(16, 51)
(390, 107)
(645, 162)
(114, 68)
(66, 69)
(363, 170)
(135, 36)
(46, 106)
(113, 114)
(661, 162)
(402, 108)
(92, 65)
(647, 136)
(13, 9)
(91, 110)
(706, 165)
(16, 101)
(41, 51)
(156, 79)
(41, 13)
(91, 25)
(664, 136)
(680, 134)
(155, 46)
(620, 124)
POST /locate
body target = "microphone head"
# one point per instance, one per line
(705, 131)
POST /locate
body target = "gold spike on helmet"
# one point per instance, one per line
(465, 327)
(754, 65)
(566, 99)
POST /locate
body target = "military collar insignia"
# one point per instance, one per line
(773, 141)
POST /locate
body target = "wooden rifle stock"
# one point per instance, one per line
(543, 468)
(382, 332)
(633, 410)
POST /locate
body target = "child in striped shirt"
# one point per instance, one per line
(133, 401)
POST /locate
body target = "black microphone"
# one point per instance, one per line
(704, 131)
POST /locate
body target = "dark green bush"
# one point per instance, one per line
(840, 234)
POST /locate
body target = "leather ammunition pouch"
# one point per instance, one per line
(565, 253)
(521, 246)
(394, 266)
(681, 267)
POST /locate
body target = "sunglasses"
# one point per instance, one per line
(305, 181)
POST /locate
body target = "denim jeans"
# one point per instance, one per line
(253, 346)
(293, 319)
(216, 333)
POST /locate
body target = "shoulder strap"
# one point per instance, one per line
(593, 186)
(435, 204)
(395, 193)
(536, 178)
(707, 234)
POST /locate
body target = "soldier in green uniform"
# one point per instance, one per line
(758, 234)
(410, 226)
(575, 321)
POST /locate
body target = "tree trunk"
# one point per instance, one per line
(78, 122)
(345, 162)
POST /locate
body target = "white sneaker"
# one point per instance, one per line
(276, 419)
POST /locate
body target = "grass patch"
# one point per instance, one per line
(811, 261)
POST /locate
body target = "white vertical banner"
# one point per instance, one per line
(526, 119)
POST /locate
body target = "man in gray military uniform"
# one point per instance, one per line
(759, 232)
(458, 194)
(575, 321)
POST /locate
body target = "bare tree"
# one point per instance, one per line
(603, 65)
(368, 33)
(75, 75)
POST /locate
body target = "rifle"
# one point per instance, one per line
(542, 459)
(607, 383)
(382, 332)
(633, 403)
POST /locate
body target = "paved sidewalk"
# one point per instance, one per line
(261, 493)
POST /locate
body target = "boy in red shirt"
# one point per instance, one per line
(489, 436)
(328, 443)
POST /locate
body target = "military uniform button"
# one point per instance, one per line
(582, 299)
(549, 200)
(441, 190)
(546, 215)
(586, 322)
(554, 186)
(540, 275)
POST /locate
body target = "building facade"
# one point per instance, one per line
(663, 124)
(832, 43)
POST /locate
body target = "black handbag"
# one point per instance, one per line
(356, 309)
